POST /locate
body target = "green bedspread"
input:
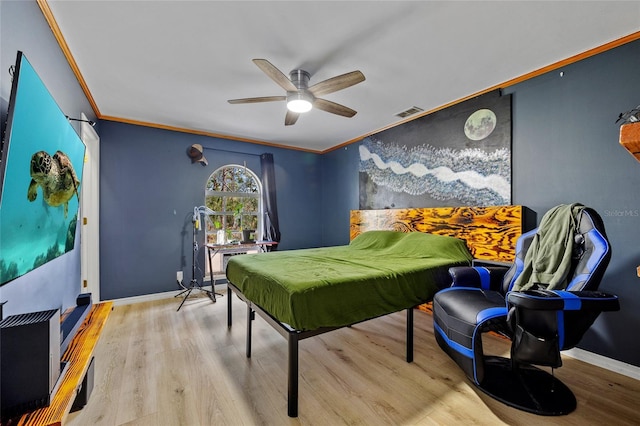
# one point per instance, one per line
(379, 272)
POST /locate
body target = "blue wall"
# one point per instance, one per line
(149, 187)
(339, 193)
(564, 149)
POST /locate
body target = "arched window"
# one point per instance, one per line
(233, 192)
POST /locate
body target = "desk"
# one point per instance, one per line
(238, 248)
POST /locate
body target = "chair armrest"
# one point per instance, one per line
(559, 300)
(484, 277)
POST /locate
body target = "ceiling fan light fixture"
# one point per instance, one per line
(300, 97)
(299, 102)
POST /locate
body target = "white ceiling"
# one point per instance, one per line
(176, 63)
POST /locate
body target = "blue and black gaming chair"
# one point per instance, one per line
(539, 322)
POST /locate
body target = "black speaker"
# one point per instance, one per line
(29, 361)
(85, 390)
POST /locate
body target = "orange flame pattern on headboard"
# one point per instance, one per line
(490, 232)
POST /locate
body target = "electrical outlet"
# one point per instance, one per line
(179, 276)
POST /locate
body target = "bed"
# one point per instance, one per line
(387, 267)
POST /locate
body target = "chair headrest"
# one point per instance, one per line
(589, 256)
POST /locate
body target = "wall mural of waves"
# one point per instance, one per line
(457, 156)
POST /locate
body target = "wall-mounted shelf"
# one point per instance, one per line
(630, 138)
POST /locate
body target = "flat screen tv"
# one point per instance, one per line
(40, 177)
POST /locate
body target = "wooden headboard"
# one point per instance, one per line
(490, 232)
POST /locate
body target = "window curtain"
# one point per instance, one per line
(271, 229)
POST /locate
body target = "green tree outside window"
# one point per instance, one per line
(233, 193)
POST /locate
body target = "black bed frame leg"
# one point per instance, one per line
(229, 294)
(292, 396)
(410, 335)
(249, 318)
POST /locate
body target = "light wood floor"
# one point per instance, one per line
(156, 366)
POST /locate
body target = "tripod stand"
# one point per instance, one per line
(194, 284)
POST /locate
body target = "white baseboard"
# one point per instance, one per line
(604, 362)
(577, 353)
(157, 296)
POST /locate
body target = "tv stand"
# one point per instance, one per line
(79, 356)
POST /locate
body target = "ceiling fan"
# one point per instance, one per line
(300, 97)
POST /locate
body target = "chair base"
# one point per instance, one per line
(527, 388)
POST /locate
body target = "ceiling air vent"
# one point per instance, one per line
(408, 112)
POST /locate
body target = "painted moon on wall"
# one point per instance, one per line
(480, 124)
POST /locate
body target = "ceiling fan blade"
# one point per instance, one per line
(256, 100)
(275, 74)
(334, 108)
(291, 118)
(337, 83)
